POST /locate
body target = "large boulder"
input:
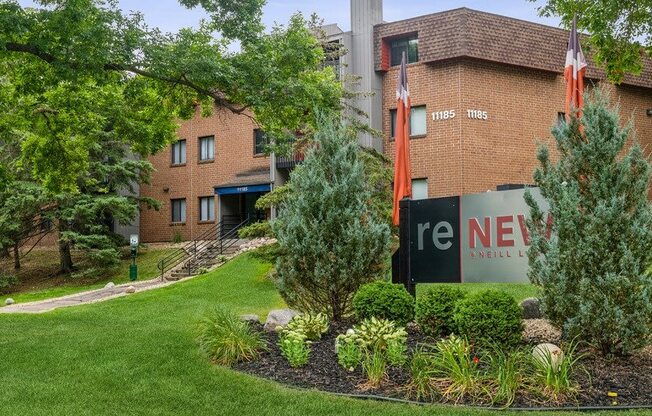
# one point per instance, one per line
(279, 317)
(531, 308)
(548, 354)
(9, 301)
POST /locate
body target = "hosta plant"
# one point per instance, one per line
(378, 333)
(312, 325)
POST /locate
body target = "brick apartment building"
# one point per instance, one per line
(485, 89)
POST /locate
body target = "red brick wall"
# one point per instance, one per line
(464, 155)
(234, 153)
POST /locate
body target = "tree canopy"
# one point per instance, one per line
(72, 69)
(620, 32)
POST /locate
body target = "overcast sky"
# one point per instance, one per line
(169, 16)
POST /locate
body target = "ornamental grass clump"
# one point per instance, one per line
(421, 385)
(226, 339)
(456, 372)
(553, 374)
(592, 265)
(506, 374)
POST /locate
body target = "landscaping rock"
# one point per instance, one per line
(9, 301)
(130, 289)
(279, 317)
(542, 351)
(250, 318)
(538, 331)
(531, 308)
(109, 285)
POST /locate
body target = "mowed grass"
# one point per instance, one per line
(137, 355)
(519, 291)
(38, 264)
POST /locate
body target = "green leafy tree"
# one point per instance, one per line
(593, 271)
(332, 241)
(620, 32)
(68, 51)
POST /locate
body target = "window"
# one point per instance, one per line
(207, 208)
(419, 188)
(260, 141)
(179, 152)
(178, 210)
(417, 121)
(206, 148)
(409, 45)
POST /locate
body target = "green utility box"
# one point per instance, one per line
(133, 272)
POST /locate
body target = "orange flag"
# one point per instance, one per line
(402, 174)
(574, 74)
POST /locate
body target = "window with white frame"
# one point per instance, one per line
(178, 210)
(206, 148)
(417, 121)
(207, 208)
(419, 188)
(179, 152)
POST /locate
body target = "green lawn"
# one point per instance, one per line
(137, 355)
(147, 269)
(519, 291)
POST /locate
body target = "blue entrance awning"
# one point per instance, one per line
(243, 189)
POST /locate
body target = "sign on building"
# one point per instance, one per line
(472, 238)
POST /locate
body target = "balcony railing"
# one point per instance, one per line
(289, 162)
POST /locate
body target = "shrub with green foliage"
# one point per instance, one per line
(256, 230)
(7, 283)
(489, 318)
(226, 339)
(309, 324)
(295, 347)
(593, 272)
(384, 300)
(332, 241)
(435, 308)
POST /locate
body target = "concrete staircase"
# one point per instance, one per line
(210, 255)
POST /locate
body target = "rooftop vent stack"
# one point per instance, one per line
(364, 15)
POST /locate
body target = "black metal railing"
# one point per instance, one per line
(288, 162)
(193, 252)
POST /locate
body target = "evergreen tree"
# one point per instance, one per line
(331, 238)
(593, 271)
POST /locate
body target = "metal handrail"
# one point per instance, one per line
(182, 253)
(193, 249)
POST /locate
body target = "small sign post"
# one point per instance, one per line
(133, 268)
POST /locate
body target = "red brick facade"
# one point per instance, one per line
(465, 155)
(234, 153)
(468, 60)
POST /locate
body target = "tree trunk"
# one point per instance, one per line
(16, 257)
(65, 259)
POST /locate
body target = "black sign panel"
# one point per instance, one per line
(435, 240)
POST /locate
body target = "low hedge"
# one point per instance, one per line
(384, 300)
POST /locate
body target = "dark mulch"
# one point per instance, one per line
(630, 377)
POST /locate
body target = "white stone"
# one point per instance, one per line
(548, 354)
(250, 318)
(109, 285)
(130, 289)
(279, 318)
(9, 301)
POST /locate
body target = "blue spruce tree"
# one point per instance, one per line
(331, 238)
(593, 271)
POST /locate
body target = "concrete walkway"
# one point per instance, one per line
(91, 296)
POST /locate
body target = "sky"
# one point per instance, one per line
(169, 16)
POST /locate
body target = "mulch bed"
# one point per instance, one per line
(630, 377)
